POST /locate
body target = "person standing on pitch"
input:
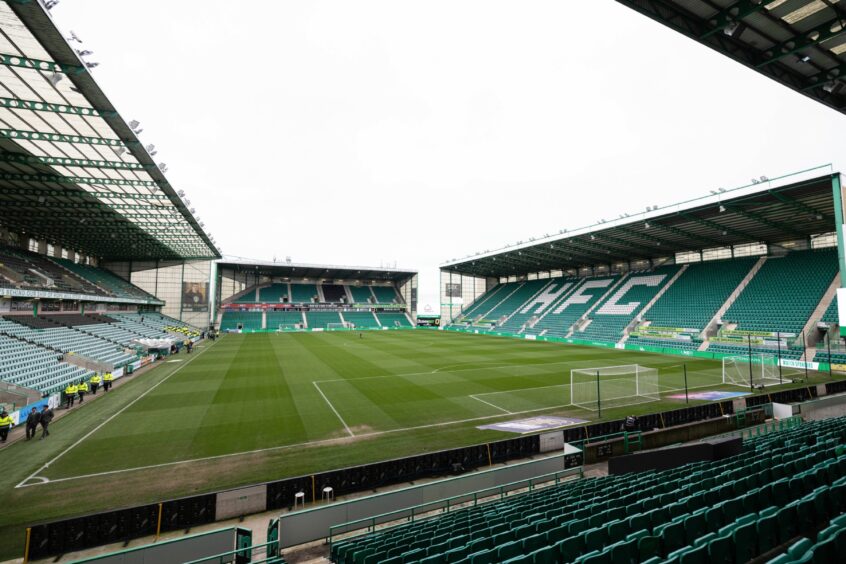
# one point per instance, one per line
(6, 423)
(107, 381)
(82, 389)
(70, 395)
(95, 383)
(32, 423)
(46, 417)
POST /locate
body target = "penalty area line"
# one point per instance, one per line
(490, 404)
(335, 411)
(46, 465)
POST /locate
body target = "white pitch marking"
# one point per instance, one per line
(286, 447)
(124, 408)
(490, 404)
(332, 407)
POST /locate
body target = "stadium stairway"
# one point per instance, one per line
(711, 328)
(783, 486)
(557, 320)
(614, 313)
(645, 310)
(519, 294)
(515, 321)
(812, 336)
(385, 294)
(583, 321)
(365, 319)
(360, 294)
(485, 300)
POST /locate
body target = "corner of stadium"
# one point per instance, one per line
(667, 386)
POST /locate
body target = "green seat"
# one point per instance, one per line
(624, 552)
(672, 536)
(570, 548)
(509, 550)
(745, 542)
(767, 529)
(698, 555)
(545, 555)
(693, 527)
(483, 557)
(595, 539)
(788, 527)
(799, 548)
(648, 547)
(721, 550)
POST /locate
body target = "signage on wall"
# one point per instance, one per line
(195, 296)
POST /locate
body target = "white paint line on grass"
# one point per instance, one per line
(490, 404)
(332, 407)
(341, 440)
(445, 371)
(121, 410)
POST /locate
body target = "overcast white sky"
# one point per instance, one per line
(368, 132)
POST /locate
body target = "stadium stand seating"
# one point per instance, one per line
(273, 294)
(31, 270)
(784, 293)
(830, 315)
(694, 298)
(385, 294)
(611, 316)
(104, 279)
(361, 294)
(536, 304)
(284, 319)
(48, 333)
(561, 315)
(392, 319)
(248, 298)
(320, 319)
(303, 293)
(488, 299)
(167, 326)
(26, 364)
(361, 318)
(248, 320)
(783, 485)
(520, 293)
(333, 293)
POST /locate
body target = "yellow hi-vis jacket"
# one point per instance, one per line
(6, 422)
(70, 390)
(107, 377)
(82, 387)
(95, 379)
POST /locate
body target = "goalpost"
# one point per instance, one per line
(613, 386)
(758, 370)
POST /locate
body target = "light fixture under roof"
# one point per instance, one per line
(731, 28)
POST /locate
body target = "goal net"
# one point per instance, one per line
(342, 325)
(758, 370)
(613, 386)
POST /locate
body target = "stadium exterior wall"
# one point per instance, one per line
(186, 287)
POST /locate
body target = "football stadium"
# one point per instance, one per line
(666, 386)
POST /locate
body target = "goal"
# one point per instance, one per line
(337, 326)
(613, 386)
(758, 370)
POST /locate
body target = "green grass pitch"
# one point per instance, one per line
(252, 408)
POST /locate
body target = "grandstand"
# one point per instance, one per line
(268, 296)
(706, 277)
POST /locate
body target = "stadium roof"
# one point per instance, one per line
(799, 43)
(767, 211)
(72, 171)
(317, 271)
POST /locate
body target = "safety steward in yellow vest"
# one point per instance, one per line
(5, 424)
(95, 383)
(107, 381)
(82, 389)
(70, 395)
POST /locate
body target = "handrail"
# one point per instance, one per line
(413, 511)
(236, 552)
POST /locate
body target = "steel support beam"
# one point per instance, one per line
(764, 221)
(81, 194)
(18, 134)
(815, 36)
(734, 13)
(38, 64)
(35, 106)
(70, 162)
(721, 228)
(17, 177)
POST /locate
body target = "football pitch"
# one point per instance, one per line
(251, 408)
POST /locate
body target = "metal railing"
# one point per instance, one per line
(445, 505)
(247, 551)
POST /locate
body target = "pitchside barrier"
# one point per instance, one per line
(79, 533)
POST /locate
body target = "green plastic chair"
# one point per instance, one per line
(721, 550)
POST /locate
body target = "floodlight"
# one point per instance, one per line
(50, 4)
(84, 52)
(73, 37)
(731, 28)
(181, 193)
(55, 78)
(91, 65)
(722, 208)
(592, 238)
(134, 124)
(764, 179)
(829, 86)
(120, 151)
(804, 58)
(646, 225)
